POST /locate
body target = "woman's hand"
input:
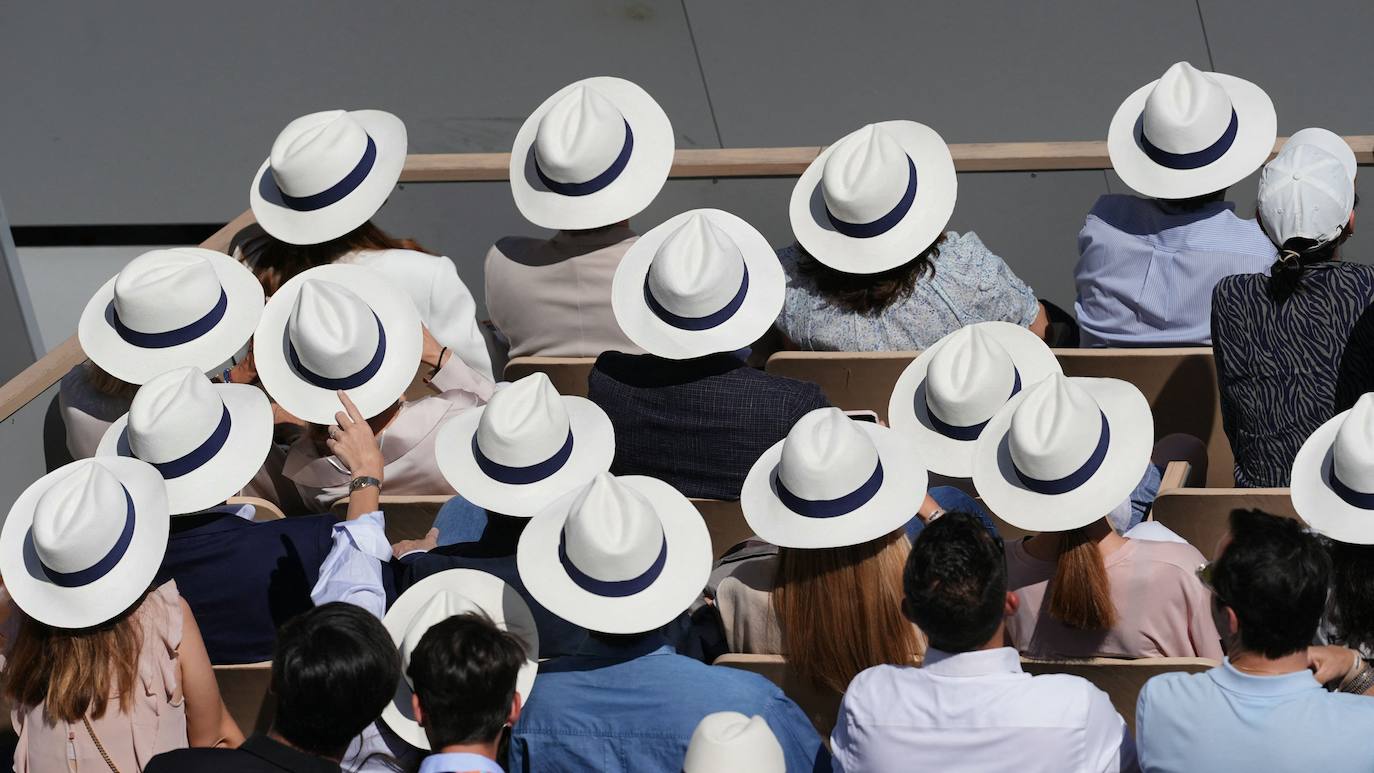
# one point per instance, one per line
(245, 371)
(433, 354)
(1331, 663)
(352, 441)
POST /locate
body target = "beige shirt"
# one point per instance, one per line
(1162, 608)
(552, 297)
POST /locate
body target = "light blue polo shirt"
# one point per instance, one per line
(1224, 719)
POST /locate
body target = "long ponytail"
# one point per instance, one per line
(1080, 592)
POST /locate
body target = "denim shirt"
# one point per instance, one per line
(631, 707)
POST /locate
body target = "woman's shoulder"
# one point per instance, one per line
(396, 258)
(163, 613)
(1176, 555)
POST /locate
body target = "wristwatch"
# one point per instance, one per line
(363, 481)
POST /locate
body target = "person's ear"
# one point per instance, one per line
(1012, 603)
(1350, 226)
(1232, 622)
(417, 710)
(515, 707)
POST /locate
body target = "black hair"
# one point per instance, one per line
(869, 293)
(1274, 575)
(1195, 203)
(1297, 254)
(464, 671)
(1352, 594)
(335, 668)
(956, 583)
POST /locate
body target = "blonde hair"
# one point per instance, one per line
(1081, 592)
(74, 673)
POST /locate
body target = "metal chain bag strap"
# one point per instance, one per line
(99, 746)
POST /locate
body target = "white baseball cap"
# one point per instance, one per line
(1329, 141)
(1305, 192)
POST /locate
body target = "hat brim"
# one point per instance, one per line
(1128, 452)
(137, 364)
(898, 499)
(225, 474)
(937, 189)
(762, 302)
(320, 225)
(633, 190)
(592, 453)
(907, 412)
(1316, 502)
(317, 405)
(112, 594)
(684, 575)
(493, 596)
(1257, 129)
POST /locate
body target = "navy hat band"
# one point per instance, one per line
(106, 564)
(885, 223)
(270, 191)
(1194, 160)
(347, 382)
(1349, 495)
(181, 335)
(971, 432)
(517, 476)
(699, 323)
(831, 508)
(611, 588)
(1076, 478)
(596, 183)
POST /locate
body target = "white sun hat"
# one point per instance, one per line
(337, 326)
(169, 308)
(876, 198)
(619, 555)
(1191, 133)
(435, 599)
(730, 742)
(82, 544)
(1064, 452)
(947, 395)
(702, 282)
(833, 482)
(1333, 476)
(596, 152)
(206, 440)
(1305, 193)
(1329, 141)
(525, 448)
(328, 173)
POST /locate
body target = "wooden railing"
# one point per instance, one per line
(727, 162)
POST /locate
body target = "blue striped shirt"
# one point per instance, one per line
(1145, 272)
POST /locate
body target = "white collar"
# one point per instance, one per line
(1002, 660)
(459, 762)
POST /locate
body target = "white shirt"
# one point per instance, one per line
(978, 711)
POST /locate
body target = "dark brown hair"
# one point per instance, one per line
(1081, 592)
(74, 673)
(275, 261)
(106, 384)
(869, 293)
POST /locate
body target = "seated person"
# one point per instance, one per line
(871, 270)
(552, 297)
(970, 706)
(1055, 460)
(692, 292)
(1262, 709)
(334, 670)
(1147, 266)
(342, 327)
(623, 557)
(1302, 337)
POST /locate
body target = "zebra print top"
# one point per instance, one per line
(1286, 368)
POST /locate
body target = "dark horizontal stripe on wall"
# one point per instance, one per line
(151, 234)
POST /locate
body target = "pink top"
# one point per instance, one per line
(1163, 610)
(155, 723)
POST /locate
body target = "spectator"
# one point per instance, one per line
(729, 742)
(1053, 460)
(1303, 335)
(870, 270)
(623, 557)
(100, 671)
(970, 706)
(334, 669)
(342, 327)
(313, 198)
(1262, 709)
(1147, 266)
(692, 292)
(588, 159)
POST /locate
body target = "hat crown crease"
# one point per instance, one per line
(866, 175)
(697, 270)
(172, 415)
(579, 137)
(165, 290)
(612, 533)
(314, 152)
(332, 329)
(78, 520)
(969, 378)
(826, 456)
(523, 424)
(1055, 429)
(1187, 111)
(1352, 449)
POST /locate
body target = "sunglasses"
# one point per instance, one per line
(1205, 574)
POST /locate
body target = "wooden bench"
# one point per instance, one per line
(1202, 515)
(568, 374)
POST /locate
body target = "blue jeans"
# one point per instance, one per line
(460, 521)
(952, 500)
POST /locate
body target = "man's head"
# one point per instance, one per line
(334, 670)
(956, 584)
(1273, 577)
(463, 672)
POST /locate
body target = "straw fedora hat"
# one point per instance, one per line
(1332, 483)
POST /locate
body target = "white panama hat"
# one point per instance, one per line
(169, 308)
(620, 555)
(947, 395)
(596, 152)
(337, 326)
(1329, 141)
(525, 448)
(1064, 452)
(206, 440)
(1305, 193)
(82, 544)
(730, 742)
(328, 173)
(1332, 484)
(435, 599)
(876, 198)
(833, 482)
(1191, 133)
(700, 283)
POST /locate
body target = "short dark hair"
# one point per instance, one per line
(956, 583)
(334, 670)
(464, 671)
(1275, 576)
